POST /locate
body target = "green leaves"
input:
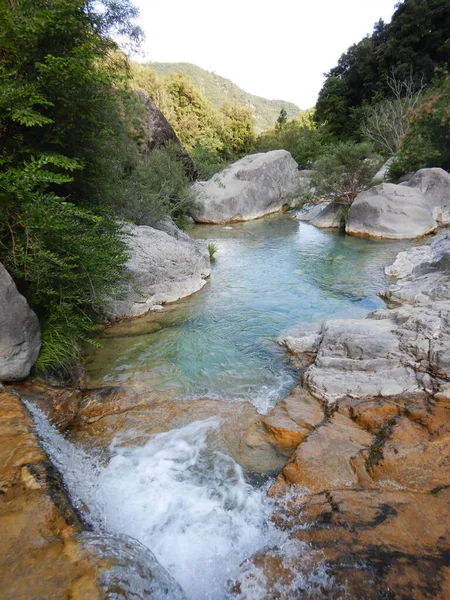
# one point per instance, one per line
(59, 106)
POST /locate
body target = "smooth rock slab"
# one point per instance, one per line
(413, 459)
(324, 461)
(390, 211)
(254, 186)
(20, 336)
(162, 269)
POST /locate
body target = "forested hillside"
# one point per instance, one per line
(219, 90)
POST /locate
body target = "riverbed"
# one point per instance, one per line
(179, 490)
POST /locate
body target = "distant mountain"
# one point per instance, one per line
(218, 90)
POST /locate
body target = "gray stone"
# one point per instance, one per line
(256, 185)
(310, 211)
(160, 133)
(302, 341)
(400, 352)
(390, 211)
(359, 359)
(20, 337)
(162, 269)
(329, 217)
(406, 262)
(435, 187)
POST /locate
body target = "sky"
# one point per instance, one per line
(278, 50)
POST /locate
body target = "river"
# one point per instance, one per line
(179, 491)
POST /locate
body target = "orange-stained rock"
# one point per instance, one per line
(358, 545)
(324, 460)
(413, 458)
(59, 404)
(38, 557)
(45, 552)
(372, 414)
(292, 420)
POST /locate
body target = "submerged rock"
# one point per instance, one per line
(254, 186)
(390, 211)
(162, 268)
(20, 336)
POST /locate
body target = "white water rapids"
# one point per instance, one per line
(187, 502)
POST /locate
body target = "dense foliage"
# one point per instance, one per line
(300, 136)
(73, 163)
(58, 107)
(427, 141)
(343, 171)
(416, 41)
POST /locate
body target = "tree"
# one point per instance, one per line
(416, 40)
(282, 118)
(344, 171)
(239, 128)
(386, 123)
(427, 140)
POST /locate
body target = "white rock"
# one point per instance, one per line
(250, 188)
(162, 268)
(302, 340)
(20, 337)
(390, 211)
(405, 262)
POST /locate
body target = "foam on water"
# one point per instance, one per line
(178, 495)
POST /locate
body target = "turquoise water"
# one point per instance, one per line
(221, 342)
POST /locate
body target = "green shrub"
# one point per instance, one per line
(60, 104)
(156, 187)
(344, 171)
(212, 249)
(66, 260)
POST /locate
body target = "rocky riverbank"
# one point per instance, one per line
(360, 449)
(367, 487)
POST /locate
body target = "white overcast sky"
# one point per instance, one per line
(278, 50)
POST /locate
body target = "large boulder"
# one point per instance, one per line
(250, 188)
(160, 132)
(20, 337)
(435, 187)
(162, 269)
(390, 211)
